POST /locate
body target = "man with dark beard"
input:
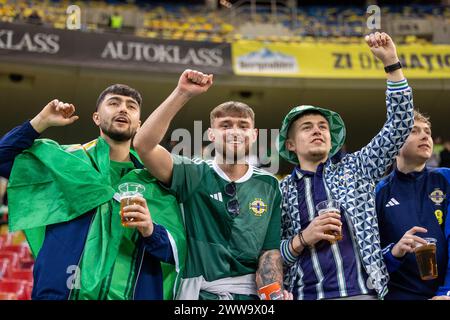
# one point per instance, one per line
(65, 199)
(231, 209)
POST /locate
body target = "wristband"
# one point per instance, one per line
(393, 67)
(302, 240)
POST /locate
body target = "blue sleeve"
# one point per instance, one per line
(13, 143)
(445, 288)
(378, 203)
(158, 245)
(380, 185)
(392, 263)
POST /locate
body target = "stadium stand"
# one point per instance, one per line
(175, 21)
(16, 267)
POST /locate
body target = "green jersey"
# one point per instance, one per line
(118, 170)
(220, 245)
(116, 288)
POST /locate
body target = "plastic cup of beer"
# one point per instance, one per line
(330, 206)
(426, 259)
(128, 192)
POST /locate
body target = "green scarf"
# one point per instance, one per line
(60, 183)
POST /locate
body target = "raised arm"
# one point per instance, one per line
(55, 113)
(376, 157)
(146, 142)
(383, 47)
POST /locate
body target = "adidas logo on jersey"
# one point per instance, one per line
(217, 196)
(392, 203)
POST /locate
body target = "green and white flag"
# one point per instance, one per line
(51, 183)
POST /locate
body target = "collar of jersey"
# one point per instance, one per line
(299, 174)
(224, 176)
(411, 175)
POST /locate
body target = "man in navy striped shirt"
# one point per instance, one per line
(352, 268)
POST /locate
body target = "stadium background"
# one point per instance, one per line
(312, 52)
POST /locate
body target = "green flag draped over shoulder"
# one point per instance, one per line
(50, 184)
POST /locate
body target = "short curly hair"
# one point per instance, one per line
(120, 89)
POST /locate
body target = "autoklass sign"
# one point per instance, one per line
(110, 50)
(29, 42)
(161, 53)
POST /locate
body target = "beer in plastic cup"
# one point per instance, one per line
(128, 192)
(330, 206)
(426, 259)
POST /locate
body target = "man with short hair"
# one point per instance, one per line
(413, 203)
(65, 199)
(231, 209)
(318, 266)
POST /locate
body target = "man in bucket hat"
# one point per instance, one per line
(350, 266)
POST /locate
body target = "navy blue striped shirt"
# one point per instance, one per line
(328, 270)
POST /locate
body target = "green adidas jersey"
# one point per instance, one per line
(219, 245)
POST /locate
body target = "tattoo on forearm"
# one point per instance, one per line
(270, 268)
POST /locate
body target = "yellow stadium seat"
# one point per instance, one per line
(410, 39)
(58, 25)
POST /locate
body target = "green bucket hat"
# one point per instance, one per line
(337, 130)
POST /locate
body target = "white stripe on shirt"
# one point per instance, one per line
(314, 257)
(337, 258)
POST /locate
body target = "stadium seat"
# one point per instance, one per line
(28, 291)
(17, 287)
(20, 274)
(26, 263)
(162, 20)
(8, 296)
(4, 264)
(12, 257)
(22, 250)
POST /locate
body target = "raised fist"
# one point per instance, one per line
(382, 47)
